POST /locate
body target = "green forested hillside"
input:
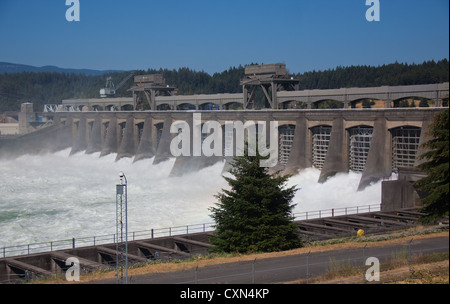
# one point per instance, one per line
(51, 87)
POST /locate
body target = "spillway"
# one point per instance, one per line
(57, 196)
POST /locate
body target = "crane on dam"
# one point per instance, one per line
(110, 88)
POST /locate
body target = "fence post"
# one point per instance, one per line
(196, 275)
(364, 263)
(73, 242)
(409, 256)
(152, 233)
(253, 271)
(307, 267)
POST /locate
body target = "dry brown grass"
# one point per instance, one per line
(428, 273)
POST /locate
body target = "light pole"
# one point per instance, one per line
(121, 230)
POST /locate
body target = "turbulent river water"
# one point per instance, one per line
(56, 196)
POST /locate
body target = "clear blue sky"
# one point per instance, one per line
(213, 35)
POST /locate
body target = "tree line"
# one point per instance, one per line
(52, 87)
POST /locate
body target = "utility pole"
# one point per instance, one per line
(121, 231)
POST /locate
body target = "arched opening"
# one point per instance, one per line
(127, 107)
(405, 143)
(320, 138)
(208, 106)
(111, 107)
(163, 107)
(285, 139)
(232, 106)
(367, 103)
(327, 104)
(186, 107)
(293, 104)
(359, 139)
(97, 108)
(413, 102)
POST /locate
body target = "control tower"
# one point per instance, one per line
(150, 86)
(271, 78)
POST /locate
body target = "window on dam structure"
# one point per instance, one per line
(286, 138)
(320, 140)
(359, 145)
(405, 143)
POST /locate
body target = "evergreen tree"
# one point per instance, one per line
(436, 167)
(256, 213)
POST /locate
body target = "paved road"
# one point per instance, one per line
(288, 268)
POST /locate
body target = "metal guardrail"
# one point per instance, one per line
(9, 251)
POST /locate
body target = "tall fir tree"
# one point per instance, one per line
(256, 213)
(436, 166)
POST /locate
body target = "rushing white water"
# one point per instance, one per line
(57, 196)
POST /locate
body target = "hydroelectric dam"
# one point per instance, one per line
(374, 141)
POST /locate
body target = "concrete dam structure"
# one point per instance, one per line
(375, 142)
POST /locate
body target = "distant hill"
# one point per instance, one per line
(7, 67)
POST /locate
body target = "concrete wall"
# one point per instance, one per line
(118, 132)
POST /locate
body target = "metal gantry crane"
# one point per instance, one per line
(110, 89)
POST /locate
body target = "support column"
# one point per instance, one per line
(274, 96)
(245, 97)
(63, 138)
(336, 160)
(379, 163)
(95, 140)
(163, 151)
(424, 137)
(146, 148)
(300, 156)
(110, 144)
(80, 142)
(127, 146)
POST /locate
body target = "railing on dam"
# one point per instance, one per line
(32, 248)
